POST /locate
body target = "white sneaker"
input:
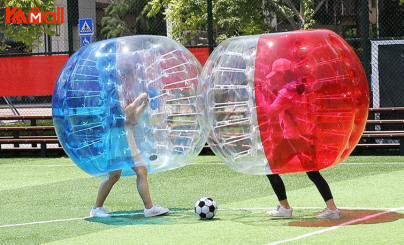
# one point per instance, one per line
(156, 210)
(99, 212)
(329, 214)
(280, 211)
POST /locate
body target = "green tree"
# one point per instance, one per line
(28, 34)
(128, 17)
(184, 15)
(239, 17)
(233, 17)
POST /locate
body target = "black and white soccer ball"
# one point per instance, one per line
(205, 208)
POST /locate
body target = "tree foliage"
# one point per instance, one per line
(232, 17)
(28, 34)
(128, 17)
(183, 14)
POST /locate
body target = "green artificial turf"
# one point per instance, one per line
(58, 195)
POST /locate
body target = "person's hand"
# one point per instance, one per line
(146, 101)
(143, 96)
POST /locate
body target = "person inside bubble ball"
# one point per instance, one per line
(133, 110)
(285, 93)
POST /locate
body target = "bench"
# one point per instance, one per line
(32, 118)
(35, 138)
(43, 142)
(384, 129)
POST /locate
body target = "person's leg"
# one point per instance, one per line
(323, 188)
(282, 154)
(282, 210)
(331, 212)
(98, 210)
(306, 153)
(279, 188)
(106, 187)
(143, 186)
(150, 209)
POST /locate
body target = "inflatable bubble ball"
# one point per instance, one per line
(283, 102)
(126, 102)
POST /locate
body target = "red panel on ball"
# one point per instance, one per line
(312, 99)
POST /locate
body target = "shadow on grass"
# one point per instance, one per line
(136, 217)
(352, 217)
(306, 218)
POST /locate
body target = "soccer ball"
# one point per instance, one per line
(205, 208)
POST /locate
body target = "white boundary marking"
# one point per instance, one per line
(335, 227)
(389, 210)
(367, 163)
(40, 222)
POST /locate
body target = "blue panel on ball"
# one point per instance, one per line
(154, 100)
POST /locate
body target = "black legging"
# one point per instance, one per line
(314, 176)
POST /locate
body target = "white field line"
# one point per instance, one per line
(367, 163)
(40, 222)
(336, 226)
(343, 163)
(220, 209)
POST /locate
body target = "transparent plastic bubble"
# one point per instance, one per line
(283, 102)
(126, 102)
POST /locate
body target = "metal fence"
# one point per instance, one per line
(374, 28)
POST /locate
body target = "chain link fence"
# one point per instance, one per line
(374, 28)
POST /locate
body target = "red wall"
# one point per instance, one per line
(202, 54)
(30, 75)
